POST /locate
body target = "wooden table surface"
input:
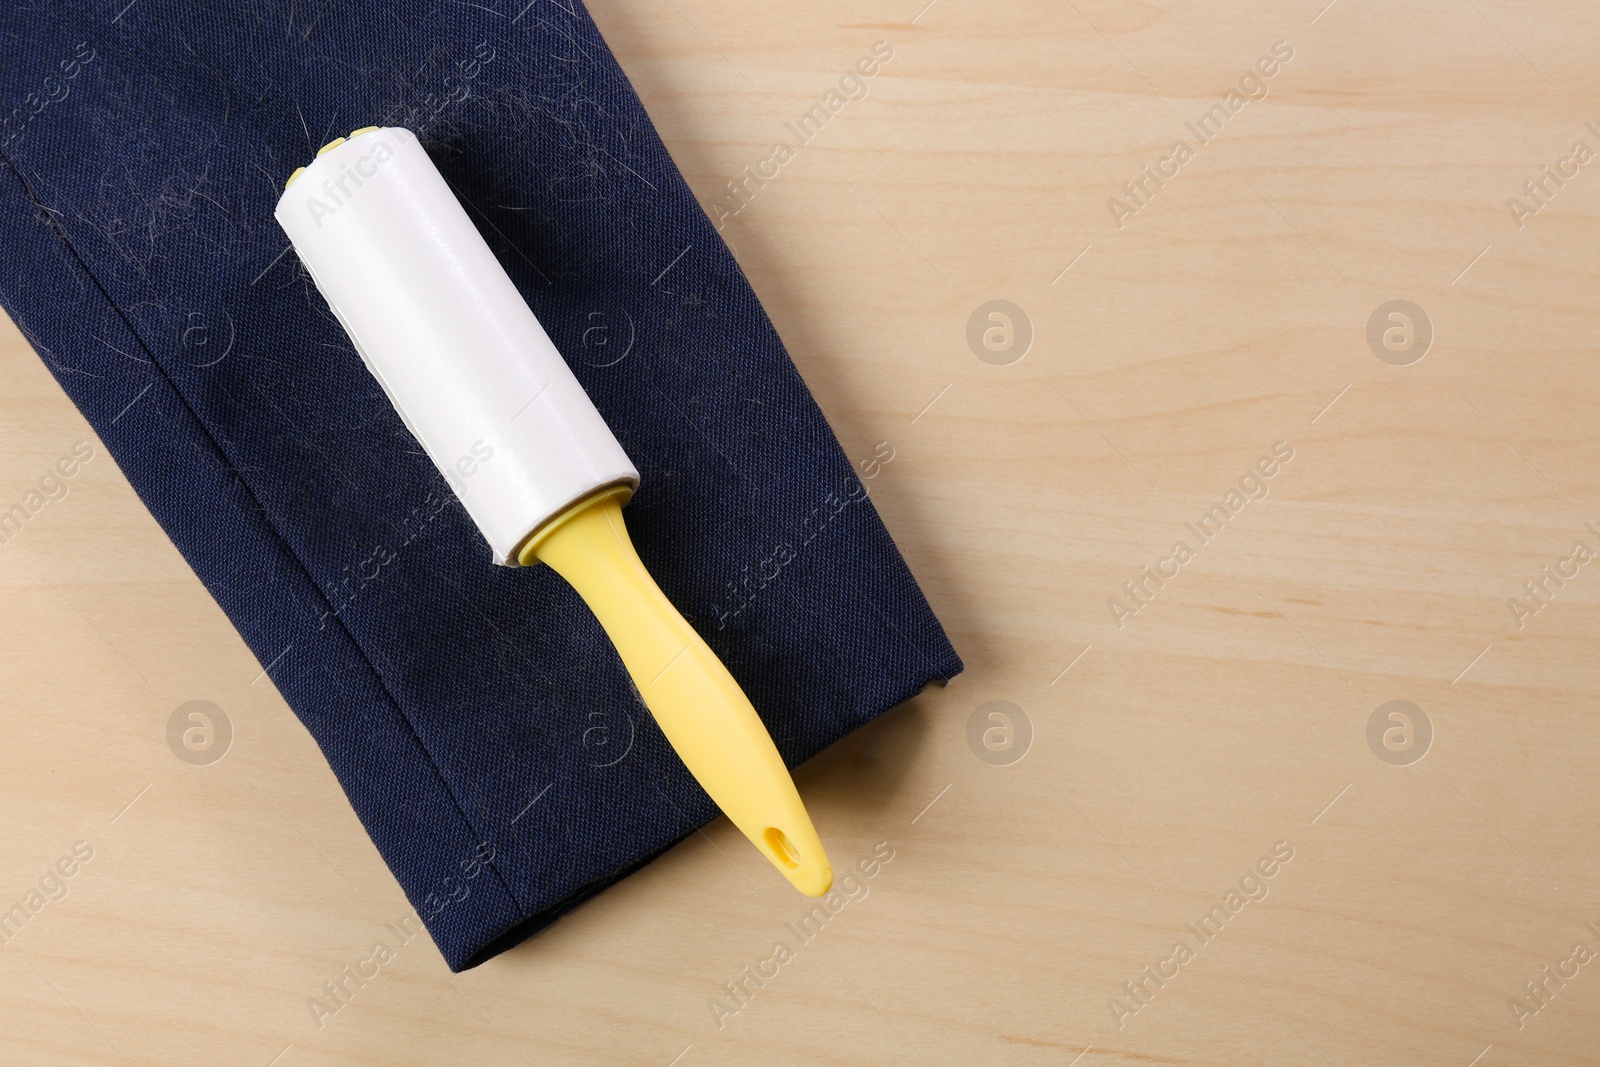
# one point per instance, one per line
(1196, 505)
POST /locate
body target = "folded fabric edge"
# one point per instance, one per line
(517, 932)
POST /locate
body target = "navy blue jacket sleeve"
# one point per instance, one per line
(477, 719)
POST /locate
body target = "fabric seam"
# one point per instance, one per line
(270, 521)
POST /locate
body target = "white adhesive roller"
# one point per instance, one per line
(444, 330)
(479, 384)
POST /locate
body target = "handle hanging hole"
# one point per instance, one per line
(780, 844)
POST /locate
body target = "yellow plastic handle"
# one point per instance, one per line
(700, 708)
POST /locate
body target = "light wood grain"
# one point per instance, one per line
(1230, 713)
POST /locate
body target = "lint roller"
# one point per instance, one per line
(473, 374)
